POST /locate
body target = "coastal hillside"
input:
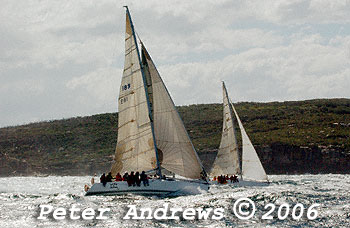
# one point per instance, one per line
(310, 136)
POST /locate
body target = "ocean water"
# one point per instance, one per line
(21, 197)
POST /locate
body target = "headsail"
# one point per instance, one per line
(227, 159)
(135, 150)
(173, 142)
(252, 168)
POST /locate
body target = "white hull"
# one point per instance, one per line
(156, 187)
(241, 183)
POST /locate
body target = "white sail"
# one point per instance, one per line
(227, 159)
(252, 168)
(173, 143)
(145, 104)
(135, 150)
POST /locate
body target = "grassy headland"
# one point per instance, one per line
(310, 136)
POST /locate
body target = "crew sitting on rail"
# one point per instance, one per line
(219, 179)
(144, 178)
(103, 179)
(131, 179)
(125, 176)
(109, 177)
(235, 179)
(118, 177)
(137, 179)
(222, 179)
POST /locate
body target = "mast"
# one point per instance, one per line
(159, 171)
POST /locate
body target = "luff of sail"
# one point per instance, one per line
(173, 143)
(227, 159)
(252, 168)
(135, 150)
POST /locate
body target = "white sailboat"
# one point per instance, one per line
(151, 134)
(227, 160)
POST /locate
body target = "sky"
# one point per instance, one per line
(61, 59)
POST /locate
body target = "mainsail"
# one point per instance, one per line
(227, 159)
(173, 143)
(252, 168)
(135, 150)
(151, 134)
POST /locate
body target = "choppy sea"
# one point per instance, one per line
(21, 198)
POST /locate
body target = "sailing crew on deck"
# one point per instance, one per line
(125, 176)
(103, 179)
(235, 179)
(222, 179)
(137, 179)
(118, 177)
(131, 179)
(144, 178)
(109, 177)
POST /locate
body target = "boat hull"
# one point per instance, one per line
(241, 183)
(156, 187)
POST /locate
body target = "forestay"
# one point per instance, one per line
(227, 159)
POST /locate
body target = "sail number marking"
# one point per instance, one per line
(126, 87)
(123, 100)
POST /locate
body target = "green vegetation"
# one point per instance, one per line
(321, 122)
(86, 144)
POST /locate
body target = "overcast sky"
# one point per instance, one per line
(61, 59)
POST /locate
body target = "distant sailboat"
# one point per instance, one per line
(151, 134)
(227, 160)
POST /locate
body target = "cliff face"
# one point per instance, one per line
(289, 159)
(281, 159)
(290, 137)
